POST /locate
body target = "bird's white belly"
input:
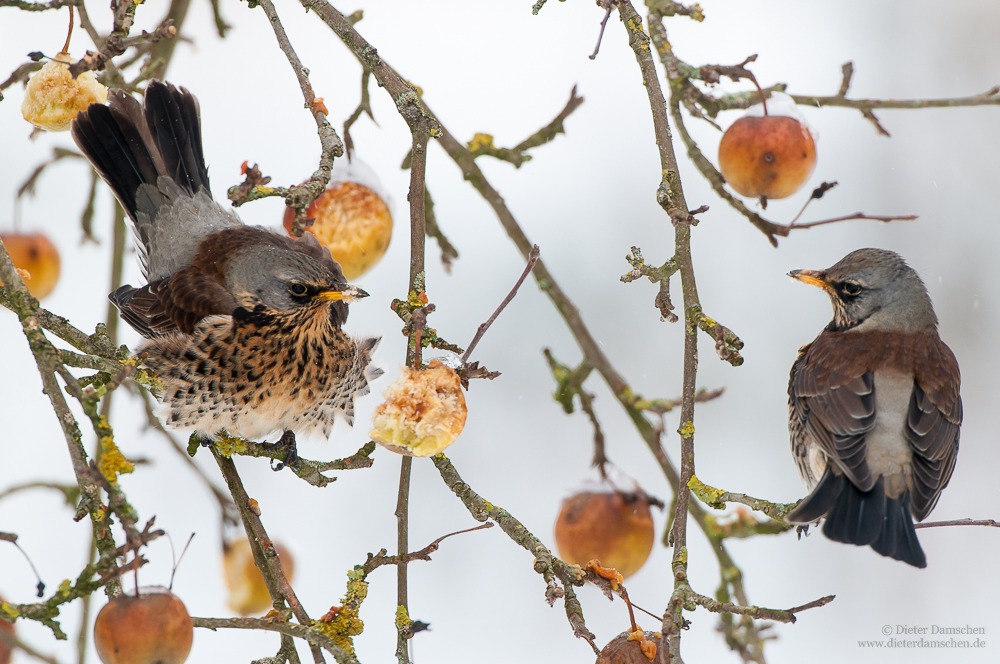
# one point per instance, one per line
(888, 451)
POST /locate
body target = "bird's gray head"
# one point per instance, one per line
(874, 289)
(288, 282)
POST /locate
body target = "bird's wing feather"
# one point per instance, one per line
(932, 425)
(176, 303)
(152, 159)
(833, 404)
(798, 413)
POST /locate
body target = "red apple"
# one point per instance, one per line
(34, 253)
(151, 628)
(613, 527)
(767, 157)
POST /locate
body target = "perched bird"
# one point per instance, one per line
(243, 325)
(873, 407)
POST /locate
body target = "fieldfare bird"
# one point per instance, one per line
(873, 407)
(243, 325)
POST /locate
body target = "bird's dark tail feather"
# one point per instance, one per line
(865, 518)
(131, 145)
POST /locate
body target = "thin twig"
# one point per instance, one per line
(958, 522)
(380, 559)
(118, 42)
(9, 639)
(304, 632)
(532, 259)
(785, 616)
(545, 563)
(301, 196)
(600, 36)
(784, 230)
(227, 508)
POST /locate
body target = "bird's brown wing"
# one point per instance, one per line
(832, 404)
(932, 425)
(173, 304)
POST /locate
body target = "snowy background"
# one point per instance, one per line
(585, 199)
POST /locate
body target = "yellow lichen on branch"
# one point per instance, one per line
(112, 462)
(342, 624)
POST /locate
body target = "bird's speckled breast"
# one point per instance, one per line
(253, 374)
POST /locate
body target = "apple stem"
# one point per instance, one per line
(763, 100)
(135, 571)
(69, 34)
(631, 614)
(177, 562)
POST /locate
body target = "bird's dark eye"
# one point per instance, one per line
(297, 289)
(851, 288)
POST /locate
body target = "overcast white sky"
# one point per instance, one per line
(585, 199)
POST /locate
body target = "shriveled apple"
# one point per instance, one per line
(35, 254)
(152, 627)
(631, 647)
(614, 527)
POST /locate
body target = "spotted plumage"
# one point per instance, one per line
(243, 325)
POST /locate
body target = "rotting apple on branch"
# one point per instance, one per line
(353, 222)
(423, 412)
(614, 527)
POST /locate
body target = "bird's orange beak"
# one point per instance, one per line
(811, 277)
(348, 294)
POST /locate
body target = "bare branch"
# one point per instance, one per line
(301, 196)
(304, 632)
(958, 522)
(546, 564)
(532, 259)
(785, 616)
(266, 558)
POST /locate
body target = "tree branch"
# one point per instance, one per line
(304, 632)
(546, 564)
(266, 557)
(299, 196)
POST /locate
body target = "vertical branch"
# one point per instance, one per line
(84, 633)
(402, 548)
(670, 196)
(418, 170)
(300, 197)
(264, 554)
(111, 323)
(47, 358)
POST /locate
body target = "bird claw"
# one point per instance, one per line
(287, 442)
